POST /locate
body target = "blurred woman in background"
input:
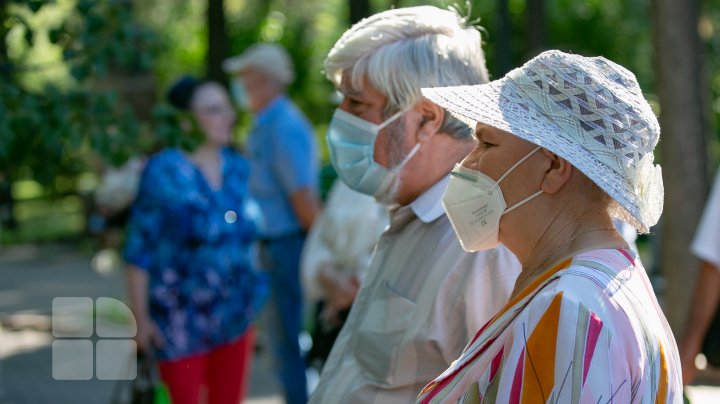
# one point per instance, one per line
(191, 285)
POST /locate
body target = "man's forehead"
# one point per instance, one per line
(361, 90)
(249, 71)
(347, 86)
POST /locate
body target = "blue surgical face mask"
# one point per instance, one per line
(351, 142)
(239, 94)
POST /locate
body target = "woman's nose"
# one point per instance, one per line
(470, 162)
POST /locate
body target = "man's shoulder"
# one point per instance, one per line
(435, 240)
(499, 254)
(286, 109)
(291, 114)
(498, 263)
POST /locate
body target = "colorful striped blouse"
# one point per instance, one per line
(588, 331)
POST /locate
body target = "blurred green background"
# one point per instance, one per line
(83, 81)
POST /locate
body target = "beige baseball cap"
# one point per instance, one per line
(269, 58)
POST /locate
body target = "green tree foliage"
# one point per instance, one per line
(49, 126)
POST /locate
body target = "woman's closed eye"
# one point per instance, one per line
(214, 109)
(484, 145)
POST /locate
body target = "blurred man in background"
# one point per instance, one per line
(283, 181)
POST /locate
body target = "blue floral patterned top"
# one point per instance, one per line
(195, 244)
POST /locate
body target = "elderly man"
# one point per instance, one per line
(423, 297)
(283, 181)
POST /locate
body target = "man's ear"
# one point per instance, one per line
(557, 173)
(431, 119)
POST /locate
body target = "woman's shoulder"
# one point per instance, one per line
(233, 155)
(165, 172)
(598, 268)
(615, 259)
(565, 299)
(166, 157)
(235, 160)
(593, 280)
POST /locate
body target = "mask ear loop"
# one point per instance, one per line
(519, 204)
(393, 117)
(395, 171)
(502, 177)
(407, 158)
(415, 148)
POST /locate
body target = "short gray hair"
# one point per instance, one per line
(403, 50)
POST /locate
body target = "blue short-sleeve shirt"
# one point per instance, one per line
(283, 159)
(195, 244)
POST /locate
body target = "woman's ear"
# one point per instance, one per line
(557, 173)
(431, 119)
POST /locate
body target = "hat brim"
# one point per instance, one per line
(499, 105)
(489, 104)
(235, 65)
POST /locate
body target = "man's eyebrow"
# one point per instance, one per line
(350, 91)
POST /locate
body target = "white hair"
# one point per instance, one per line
(403, 50)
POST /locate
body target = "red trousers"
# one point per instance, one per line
(216, 377)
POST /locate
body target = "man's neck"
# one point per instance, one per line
(436, 167)
(266, 101)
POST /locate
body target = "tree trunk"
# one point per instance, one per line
(535, 20)
(502, 48)
(5, 67)
(685, 128)
(217, 41)
(359, 9)
(7, 202)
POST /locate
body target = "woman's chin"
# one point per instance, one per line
(221, 141)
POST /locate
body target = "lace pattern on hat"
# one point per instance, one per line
(590, 111)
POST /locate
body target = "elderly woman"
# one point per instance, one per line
(191, 283)
(565, 145)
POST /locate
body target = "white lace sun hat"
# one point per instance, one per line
(590, 111)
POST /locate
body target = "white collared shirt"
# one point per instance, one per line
(706, 244)
(428, 206)
(422, 300)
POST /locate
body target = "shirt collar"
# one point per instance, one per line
(428, 206)
(273, 106)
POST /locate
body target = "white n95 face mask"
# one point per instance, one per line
(351, 142)
(474, 204)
